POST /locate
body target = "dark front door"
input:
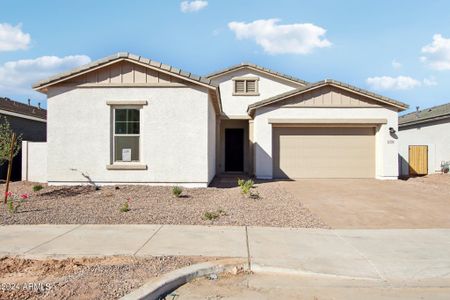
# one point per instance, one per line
(234, 149)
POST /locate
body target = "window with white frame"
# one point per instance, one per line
(126, 134)
(246, 86)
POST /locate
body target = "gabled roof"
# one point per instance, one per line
(425, 115)
(129, 57)
(257, 68)
(328, 82)
(18, 108)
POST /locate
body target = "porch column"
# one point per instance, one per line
(251, 156)
(218, 138)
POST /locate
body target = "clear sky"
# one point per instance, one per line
(400, 49)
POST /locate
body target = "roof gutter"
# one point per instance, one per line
(23, 116)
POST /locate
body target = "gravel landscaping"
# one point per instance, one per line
(82, 278)
(221, 205)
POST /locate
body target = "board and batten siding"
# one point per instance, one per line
(125, 73)
(328, 97)
(386, 145)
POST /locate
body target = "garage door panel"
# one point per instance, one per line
(324, 152)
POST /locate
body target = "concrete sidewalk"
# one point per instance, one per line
(397, 254)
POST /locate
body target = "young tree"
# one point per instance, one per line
(6, 134)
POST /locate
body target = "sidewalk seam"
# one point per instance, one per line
(148, 240)
(51, 240)
(362, 255)
(249, 259)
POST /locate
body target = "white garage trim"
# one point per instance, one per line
(323, 152)
(328, 121)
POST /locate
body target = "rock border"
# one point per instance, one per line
(169, 282)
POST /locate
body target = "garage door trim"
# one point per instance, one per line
(321, 152)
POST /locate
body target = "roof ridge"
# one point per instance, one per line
(10, 105)
(425, 109)
(323, 82)
(436, 112)
(258, 67)
(131, 56)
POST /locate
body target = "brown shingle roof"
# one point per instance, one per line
(425, 115)
(21, 108)
(332, 82)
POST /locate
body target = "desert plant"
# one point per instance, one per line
(37, 187)
(15, 201)
(176, 191)
(125, 206)
(213, 215)
(6, 133)
(246, 186)
(210, 216)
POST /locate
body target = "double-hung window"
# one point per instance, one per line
(126, 134)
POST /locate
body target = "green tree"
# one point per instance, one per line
(6, 133)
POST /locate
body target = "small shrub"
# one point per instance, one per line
(213, 215)
(176, 191)
(246, 186)
(11, 207)
(15, 201)
(125, 206)
(210, 216)
(240, 182)
(37, 187)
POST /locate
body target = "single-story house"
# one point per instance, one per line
(128, 119)
(25, 120)
(425, 140)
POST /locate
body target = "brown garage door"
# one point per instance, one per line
(309, 152)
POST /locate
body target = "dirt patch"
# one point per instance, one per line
(281, 286)
(82, 278)
(421, 202)
(157, 205)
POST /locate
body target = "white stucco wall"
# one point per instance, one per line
(174, 136)
(34, 161)
(435, 135)
(211, 141)
(386, 145)
(268, 86)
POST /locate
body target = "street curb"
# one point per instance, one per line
(257, 268)
(169, 282)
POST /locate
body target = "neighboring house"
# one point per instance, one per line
(424, 140)
(128, 119)
(26, 120)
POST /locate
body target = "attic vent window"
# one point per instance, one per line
(246, 86)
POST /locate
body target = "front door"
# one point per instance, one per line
(234, 149)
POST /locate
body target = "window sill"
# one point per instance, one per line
(126, 167)
(245, 94)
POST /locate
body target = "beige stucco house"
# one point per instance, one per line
(128, 119)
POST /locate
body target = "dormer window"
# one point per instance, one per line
(246, 86)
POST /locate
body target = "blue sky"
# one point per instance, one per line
(400, 49)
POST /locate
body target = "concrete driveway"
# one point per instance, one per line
(368, 203)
